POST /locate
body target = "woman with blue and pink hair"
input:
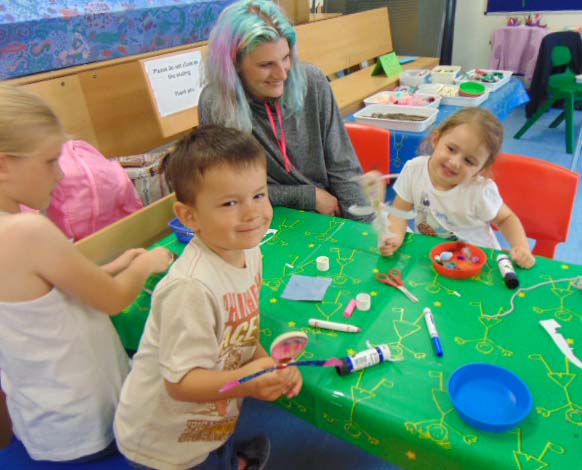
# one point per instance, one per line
(256, 83)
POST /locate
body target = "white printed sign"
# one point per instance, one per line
(175, 81)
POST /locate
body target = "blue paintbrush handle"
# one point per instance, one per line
(272, 369)
(328, 362)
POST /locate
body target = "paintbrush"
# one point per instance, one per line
(333, 362)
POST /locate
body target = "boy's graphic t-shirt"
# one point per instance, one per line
(463, 213)
(205, 314)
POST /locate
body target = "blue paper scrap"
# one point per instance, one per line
(405, 60)
(306, 288)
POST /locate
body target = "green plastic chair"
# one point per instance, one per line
(561, 86)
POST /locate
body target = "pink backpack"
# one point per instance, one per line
(94, 193)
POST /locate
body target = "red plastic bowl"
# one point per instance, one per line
(465, 268)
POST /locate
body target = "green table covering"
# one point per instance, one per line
(402, 411)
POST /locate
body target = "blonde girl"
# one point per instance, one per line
(61, 361)
(451, 192)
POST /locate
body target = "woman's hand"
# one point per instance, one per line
(325, 203)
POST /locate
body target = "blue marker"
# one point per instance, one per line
(432, 330)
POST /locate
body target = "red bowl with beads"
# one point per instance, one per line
(465, 261)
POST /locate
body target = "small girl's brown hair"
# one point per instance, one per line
(204, 148)
(25, 121)
(484, 122)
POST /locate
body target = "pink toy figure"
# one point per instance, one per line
(535, 20)
(513, 21)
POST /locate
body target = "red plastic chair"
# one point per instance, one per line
(542, 194)
(372, 146)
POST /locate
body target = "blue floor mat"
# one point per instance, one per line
(15, 457)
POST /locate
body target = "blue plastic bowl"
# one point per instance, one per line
(490, 397)
(183, 233)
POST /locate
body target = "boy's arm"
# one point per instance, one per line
(188, 312)
(203, 385)
(60, 264)
(260, 352)
(511, 228)
(397, 227)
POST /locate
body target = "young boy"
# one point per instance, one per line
(203, 330)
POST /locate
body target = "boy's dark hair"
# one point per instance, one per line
(204, 148)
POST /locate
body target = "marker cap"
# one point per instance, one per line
(438, 346)
(363, 302)
(344, 369)
(322, 263)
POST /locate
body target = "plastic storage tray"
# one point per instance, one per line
(445, 73)
(365, 117)
(383, 97)
(413, 77)
(430, 88)
(464, 101)
(492, 86)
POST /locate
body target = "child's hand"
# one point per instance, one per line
(523, 257)
(159, 259)
(294, 379)
(267, 387)
(123, 261)
(391, 245)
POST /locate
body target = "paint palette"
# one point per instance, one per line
(458, 260)
(286, 347)
(490, 397)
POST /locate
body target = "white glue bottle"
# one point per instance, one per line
(507, 271)
(367, 358)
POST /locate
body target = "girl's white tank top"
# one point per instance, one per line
(62, 366)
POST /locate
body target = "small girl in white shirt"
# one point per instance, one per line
(452, 196)
(62, 363)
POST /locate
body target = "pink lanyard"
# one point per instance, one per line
(283, 141)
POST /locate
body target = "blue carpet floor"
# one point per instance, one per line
(297, 444)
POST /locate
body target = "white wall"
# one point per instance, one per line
(473, 31)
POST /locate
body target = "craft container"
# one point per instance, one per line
(183, 233)
(445, 73)
(463, 101)
(365, 116)
(386, 97)
(493, 86)
(414, 77)
(471, 89)
(490, 397)
(465, 268)
(430, 88)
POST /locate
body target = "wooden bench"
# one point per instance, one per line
(346, 41)
(109, 105)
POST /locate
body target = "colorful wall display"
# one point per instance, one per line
(42, 36)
